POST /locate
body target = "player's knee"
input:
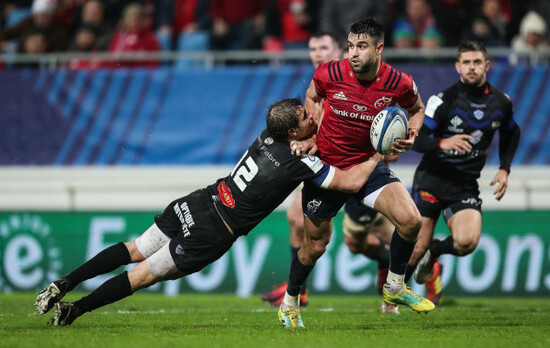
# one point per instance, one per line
(410, 227)
(315, 249)
(465, 247)
(135, 254)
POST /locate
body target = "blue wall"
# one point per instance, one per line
(178, 117)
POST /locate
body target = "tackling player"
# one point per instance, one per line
(195, 230)
(455, 138)
(356, 89)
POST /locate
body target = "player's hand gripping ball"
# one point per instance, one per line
(388, 126)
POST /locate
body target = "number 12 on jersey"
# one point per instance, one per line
(244, 171)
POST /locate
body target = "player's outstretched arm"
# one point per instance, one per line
(351, 180)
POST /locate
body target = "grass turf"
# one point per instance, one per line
(193, 320)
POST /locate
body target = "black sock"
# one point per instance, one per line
(400, 253)
(409, 272)
(383, 255)
(294, 254)
(106, 261)
(112, 290)
(438, 248)
(297, 277)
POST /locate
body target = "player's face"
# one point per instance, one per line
(306, 124)
(323, 49)
(472, 67)
(364, 54)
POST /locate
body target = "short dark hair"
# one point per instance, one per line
(472, 46)
(281, 117)
(368, 26)
(333, 35)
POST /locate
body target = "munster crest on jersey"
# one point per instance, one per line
(382, 102)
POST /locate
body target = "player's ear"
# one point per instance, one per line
(487, 65)
(380, 47)
(457, 66)
(292, 133)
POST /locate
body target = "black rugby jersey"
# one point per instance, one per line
(479, 112)
(266, 174)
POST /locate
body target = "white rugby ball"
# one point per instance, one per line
(388, 126)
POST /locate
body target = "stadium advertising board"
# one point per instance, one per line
(513, 256)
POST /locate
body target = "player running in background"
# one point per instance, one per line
(196, 230)
(455, 138)
(356, 89)
(365, 230)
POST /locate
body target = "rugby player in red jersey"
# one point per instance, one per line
(356, 89)
(366, 231)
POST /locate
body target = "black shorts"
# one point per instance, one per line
(359, 212)
(198, 234)
(324, 204)
(434, 195)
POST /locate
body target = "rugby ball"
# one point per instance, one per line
(388, 126)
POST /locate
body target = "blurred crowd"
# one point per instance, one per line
(42, 26)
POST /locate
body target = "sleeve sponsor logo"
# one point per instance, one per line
(313, 162)
(225, 195)
(432, 105)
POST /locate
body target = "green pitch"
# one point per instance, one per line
(146, 320)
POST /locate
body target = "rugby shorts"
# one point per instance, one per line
(198, 234)
(359, 212)
(324, 204)
(434, 195)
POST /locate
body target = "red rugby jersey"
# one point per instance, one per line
(351, 105)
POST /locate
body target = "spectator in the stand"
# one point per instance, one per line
(338, 15)
(288, 25)
(85, 41)
(530, 42)
(418, 15)
(403, 35)
(451, 17)
(115, 8)
(432, 38)
(42, 22)
(492, 10)
(237, 24)
(34, 43)
(93, 15)
(481, 30)
(192, 24)
(133, 35)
